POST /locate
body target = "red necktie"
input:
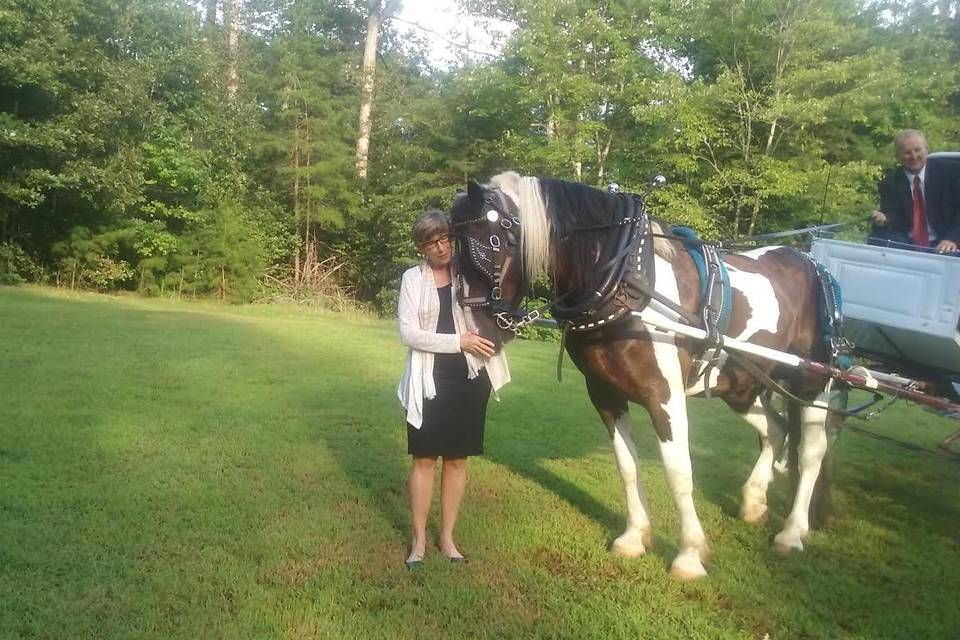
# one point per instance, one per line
(920, 236)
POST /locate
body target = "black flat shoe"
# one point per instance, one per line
(413, 564)
(457, 560)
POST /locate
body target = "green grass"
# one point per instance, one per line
(193, 471)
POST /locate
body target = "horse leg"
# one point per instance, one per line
(669, 415)
(613, 411)
(772, 436)
(813, 447)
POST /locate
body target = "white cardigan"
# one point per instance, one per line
(417, 312)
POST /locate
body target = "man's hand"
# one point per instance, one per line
(475, 344)
(947, 246)
(879, 217)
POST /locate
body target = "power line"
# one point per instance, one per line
(444, 38)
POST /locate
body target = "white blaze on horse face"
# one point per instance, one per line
(675, 452)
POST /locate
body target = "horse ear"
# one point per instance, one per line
(475, 192)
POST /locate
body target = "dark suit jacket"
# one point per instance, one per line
(942, 200)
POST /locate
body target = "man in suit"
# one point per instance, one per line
(920, 201)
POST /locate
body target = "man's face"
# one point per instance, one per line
(912, 153)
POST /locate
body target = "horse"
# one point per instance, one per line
(517, 228)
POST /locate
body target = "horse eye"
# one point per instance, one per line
(492, 215)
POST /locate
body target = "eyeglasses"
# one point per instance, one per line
(443, 240)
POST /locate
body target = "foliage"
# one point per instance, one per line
(770, 113)
(16, 267)
(122, 160)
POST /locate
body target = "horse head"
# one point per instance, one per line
(489, 259)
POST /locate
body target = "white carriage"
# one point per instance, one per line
(900, 307)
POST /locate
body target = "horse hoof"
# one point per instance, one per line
(631, 545)
(754, 514)
(705, 553)
(687, 567)
(787, 543)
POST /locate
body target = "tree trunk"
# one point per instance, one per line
(296, 195)
(551, 119)
(736, 212)
(753, 218)
(366, 89)
(603, 151)
(309, 258)
(211, 18)
(232, 19)
(943, 8)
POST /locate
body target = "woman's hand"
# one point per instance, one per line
(475, 344)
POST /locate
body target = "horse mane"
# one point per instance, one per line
(551, 209)
(537, 225)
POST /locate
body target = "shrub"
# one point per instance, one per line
(16, 267)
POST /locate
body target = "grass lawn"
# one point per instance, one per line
(194, 471)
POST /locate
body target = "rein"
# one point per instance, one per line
(749, 242)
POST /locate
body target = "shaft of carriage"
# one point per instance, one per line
(859, 377)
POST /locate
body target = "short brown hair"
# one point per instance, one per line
(429, 224)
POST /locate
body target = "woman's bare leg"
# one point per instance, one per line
(453, 484)
(421, 494)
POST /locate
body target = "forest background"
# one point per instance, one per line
(280, 149)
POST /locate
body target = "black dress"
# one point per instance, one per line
(453, 420)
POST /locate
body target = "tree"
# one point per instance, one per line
(570, 74)
(374, 18)
(305, 155)
(233, 49)
(770, 113)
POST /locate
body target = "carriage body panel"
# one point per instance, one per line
(898, 305)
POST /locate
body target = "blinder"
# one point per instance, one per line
(627, 258)
(485, 258)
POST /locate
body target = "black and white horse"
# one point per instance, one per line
(516, 228)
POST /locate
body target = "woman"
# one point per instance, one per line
(445, 387)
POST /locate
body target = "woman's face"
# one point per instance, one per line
(437, 249)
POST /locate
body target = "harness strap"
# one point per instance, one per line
(742, 361)
(610, 269)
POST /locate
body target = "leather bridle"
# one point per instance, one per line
(633, 229)
(498, 218)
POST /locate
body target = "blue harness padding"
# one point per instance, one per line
(695, 249)
(831, 317)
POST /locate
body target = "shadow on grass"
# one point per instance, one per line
(525, 440)
(243, 412)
